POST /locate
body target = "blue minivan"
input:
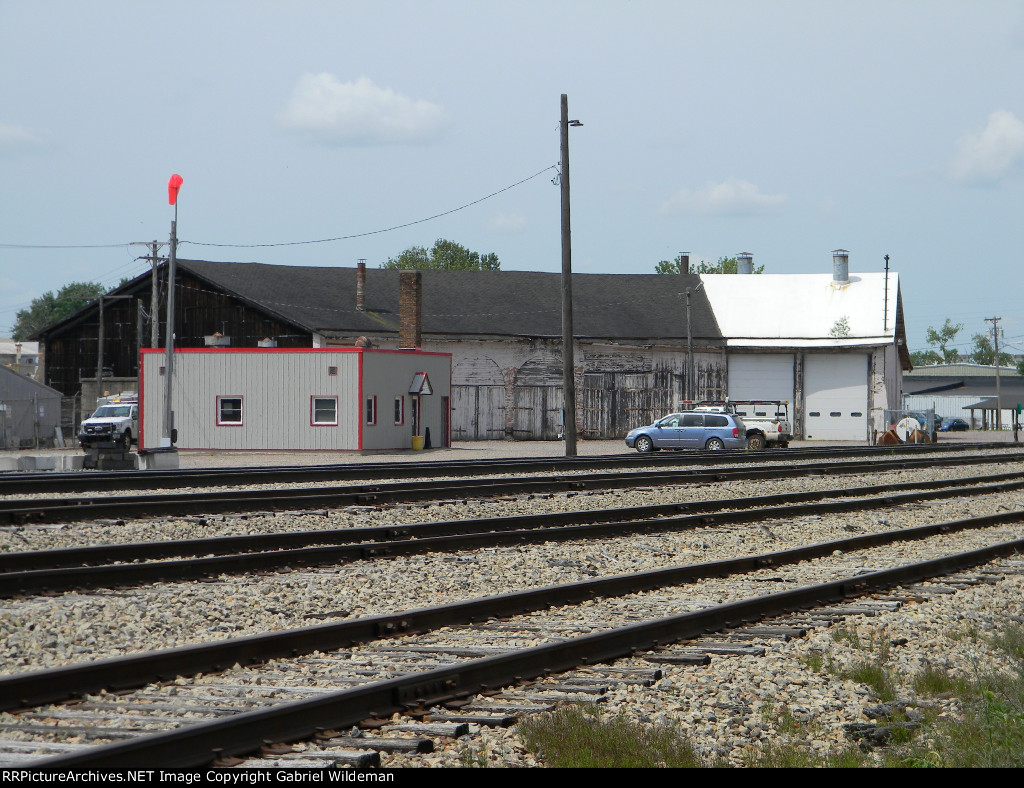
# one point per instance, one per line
(690, 430)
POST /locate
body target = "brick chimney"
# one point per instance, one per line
(361, 285)
(410, 308)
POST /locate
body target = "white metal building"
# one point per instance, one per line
(316, 399)
(831, 345)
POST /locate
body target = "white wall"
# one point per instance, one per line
(276, 387)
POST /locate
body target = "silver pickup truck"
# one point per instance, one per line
(767, 421)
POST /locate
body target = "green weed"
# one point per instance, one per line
(572, 738)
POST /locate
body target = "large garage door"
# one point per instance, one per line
(761, 376)
(836, 397)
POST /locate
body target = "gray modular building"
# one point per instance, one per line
(298, 399)
(29, 412)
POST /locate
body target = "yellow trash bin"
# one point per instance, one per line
(417, 442)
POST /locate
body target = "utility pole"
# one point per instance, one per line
(154, 291)
(99, 358)
(690, 388)
(154, 298)
(995, 343)
(568, 361)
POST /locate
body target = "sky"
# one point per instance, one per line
(322, 133)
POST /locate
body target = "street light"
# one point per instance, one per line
(568, 362)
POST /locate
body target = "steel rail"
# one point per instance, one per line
(201, 744)
(22, 578)
(54, 685)
(232, 545)
(74, 509)
(17, 482)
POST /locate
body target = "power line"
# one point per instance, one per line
(376, 232)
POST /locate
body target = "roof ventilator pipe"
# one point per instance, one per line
(840, 267)
(744, 263)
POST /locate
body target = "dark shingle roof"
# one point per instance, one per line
(502, 303)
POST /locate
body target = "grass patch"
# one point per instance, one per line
(933, 682)
(875, 676)
(790, 756)
(814, 661)
(1011, 641)
(576, 739)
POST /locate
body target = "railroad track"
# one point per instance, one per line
(22, 483)
(108, 566)
(33, 510)
(440, 664)
(453, 653)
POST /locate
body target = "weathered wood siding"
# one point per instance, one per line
(513, 389)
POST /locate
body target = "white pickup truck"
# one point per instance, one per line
(116, 420)
(767, 421)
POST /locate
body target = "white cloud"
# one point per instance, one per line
(13, 138)
(990, 154)
(329, 110)
(508, 223)
(734, 197)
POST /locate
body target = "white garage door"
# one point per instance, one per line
(761, 376)
(836, 397)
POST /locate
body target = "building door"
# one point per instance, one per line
(836, 396)
(761, 376)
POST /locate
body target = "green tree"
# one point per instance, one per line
(49, 308)
(984, 353)
(925, 358)
(942, 338)
(725, 265)
(446, 255)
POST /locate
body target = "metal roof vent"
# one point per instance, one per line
(744, 263)
(840, 267)
(217, 339)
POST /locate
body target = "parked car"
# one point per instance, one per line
(954, 425)
(690, 430)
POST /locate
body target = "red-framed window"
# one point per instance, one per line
(230, 411)
(399, 410)
(371, 410)
(323, 411)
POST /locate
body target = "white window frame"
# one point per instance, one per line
(313, 400)
(221, 399)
